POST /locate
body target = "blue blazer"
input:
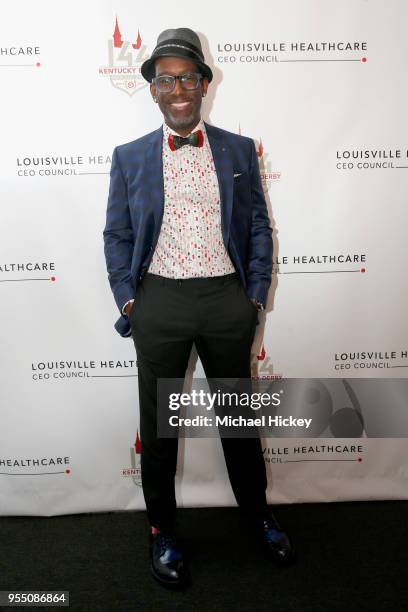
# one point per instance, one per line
(135, 212)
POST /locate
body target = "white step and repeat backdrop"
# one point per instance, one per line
(320, 85)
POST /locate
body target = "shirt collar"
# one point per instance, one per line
(167, 130)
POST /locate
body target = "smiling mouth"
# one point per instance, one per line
(180, 105)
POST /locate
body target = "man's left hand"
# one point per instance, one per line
(257, 305)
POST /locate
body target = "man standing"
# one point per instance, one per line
(188, 249)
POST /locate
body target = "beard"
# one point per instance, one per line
(182, 120)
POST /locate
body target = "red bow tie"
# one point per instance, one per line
(196, 139)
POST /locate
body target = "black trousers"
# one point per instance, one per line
(167, 317)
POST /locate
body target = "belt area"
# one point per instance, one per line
(199, 281)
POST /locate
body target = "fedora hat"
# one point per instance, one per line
(180, 42)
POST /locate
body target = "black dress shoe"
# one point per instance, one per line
(275, 541)
(167, 564)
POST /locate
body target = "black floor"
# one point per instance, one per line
(351, 556)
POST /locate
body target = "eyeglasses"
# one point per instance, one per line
(166, 83)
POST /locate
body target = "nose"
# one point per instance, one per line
(177, 87)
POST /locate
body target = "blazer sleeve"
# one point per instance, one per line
(259, 267)
(118, 236)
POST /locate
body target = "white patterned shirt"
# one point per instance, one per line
(190, 242)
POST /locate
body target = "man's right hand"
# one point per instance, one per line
(128, 308)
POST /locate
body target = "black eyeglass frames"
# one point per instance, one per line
(166, 83)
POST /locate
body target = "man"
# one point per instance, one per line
(189, 254)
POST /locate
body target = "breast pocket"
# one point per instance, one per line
(239, 176)
(242, 191)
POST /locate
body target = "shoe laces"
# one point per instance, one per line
(166, 540)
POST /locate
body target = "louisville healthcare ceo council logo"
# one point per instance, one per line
(125, 59)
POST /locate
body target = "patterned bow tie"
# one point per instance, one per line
(196, 139)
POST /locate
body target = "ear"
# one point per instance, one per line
(153, 91)
(204, 86)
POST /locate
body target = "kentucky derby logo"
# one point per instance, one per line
(265, 168)
(125, 59)
(134, 472)
(262, 367)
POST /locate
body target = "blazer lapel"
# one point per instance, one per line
(225, 173)
(154, 179)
